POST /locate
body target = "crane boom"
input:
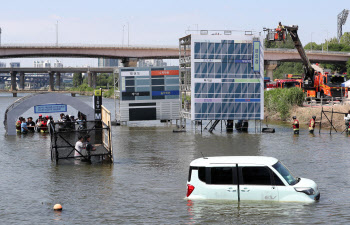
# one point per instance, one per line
(308, 70)
(279, 35)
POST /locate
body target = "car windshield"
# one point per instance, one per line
(285, 173)
(336, 80)
(291, 84)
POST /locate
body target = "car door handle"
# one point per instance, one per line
(245, 190)
(231, 190)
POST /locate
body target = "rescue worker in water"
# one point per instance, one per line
(312, 124)
(295, 125)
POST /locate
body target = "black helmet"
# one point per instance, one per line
(294, 117)
(313, 117)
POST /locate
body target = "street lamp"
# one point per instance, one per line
(128, 33)
(123, 36)
(311, 40)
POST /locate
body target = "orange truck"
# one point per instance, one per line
(329, 85)
(315, 84)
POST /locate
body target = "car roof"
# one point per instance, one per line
(261, 160)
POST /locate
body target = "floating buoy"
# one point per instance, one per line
(57, 207)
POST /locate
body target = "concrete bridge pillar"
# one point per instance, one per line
(51, 81)
(58, 80)
(21, 80)
(269, 67)
(89, 77)
(13, 81)
(94, 79)
(129, 62)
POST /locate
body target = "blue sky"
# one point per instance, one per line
(158, 22)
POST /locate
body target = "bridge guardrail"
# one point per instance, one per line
(74, 45)
(307, 51)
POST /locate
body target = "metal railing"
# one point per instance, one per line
(307, 51)
(81, 45)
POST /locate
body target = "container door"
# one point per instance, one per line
(256, 184)
(222, 183)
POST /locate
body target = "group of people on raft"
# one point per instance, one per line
(42, 124)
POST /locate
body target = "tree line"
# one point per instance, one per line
(103, 80)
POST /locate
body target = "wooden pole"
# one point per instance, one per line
(330, 131)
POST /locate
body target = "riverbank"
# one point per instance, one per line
(304, 115)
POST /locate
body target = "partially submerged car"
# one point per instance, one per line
(241, 178)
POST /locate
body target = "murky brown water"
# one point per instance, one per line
(147, 183)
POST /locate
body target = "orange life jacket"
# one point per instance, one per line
(312, 124)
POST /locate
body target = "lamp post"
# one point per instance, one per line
(128, 33)
(311, 40)
(123, 36)
(327, 41)
(57, 33)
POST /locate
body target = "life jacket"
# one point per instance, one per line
(296, 125)
(312, 124)
(18, 125)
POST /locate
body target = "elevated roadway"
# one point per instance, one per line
(148, 52)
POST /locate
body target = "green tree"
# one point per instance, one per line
(77, 79)
(314, 46)
(348, 69)
(287, 68)
(345, 39)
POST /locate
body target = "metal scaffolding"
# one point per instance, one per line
(185, 78)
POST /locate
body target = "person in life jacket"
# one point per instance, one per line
(18, 125)
(280, 30)
(295, 125)
(312, 124)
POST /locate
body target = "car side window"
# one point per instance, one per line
(222, 175)
(202, 174)
(277, 180)
(256, 176)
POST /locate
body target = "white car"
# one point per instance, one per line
(247, 178)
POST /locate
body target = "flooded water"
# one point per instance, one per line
(147, 182)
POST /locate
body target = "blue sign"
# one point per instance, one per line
(243, 61)
(161, 93)
(50, 108)
(247, 100)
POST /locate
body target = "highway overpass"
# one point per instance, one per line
(147, 52)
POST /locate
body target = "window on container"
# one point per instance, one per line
(256, 176)
(221, 175)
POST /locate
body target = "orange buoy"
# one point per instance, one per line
(57, 207)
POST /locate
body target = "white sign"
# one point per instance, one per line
(135, 73)
(207, 80)
(123, 84)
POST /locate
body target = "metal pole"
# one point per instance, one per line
(123, 36)
(115, 104)
(128, 33)
(319, 131)
(0, 36)
(330, 131)
(311, 41)
(57, 33)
